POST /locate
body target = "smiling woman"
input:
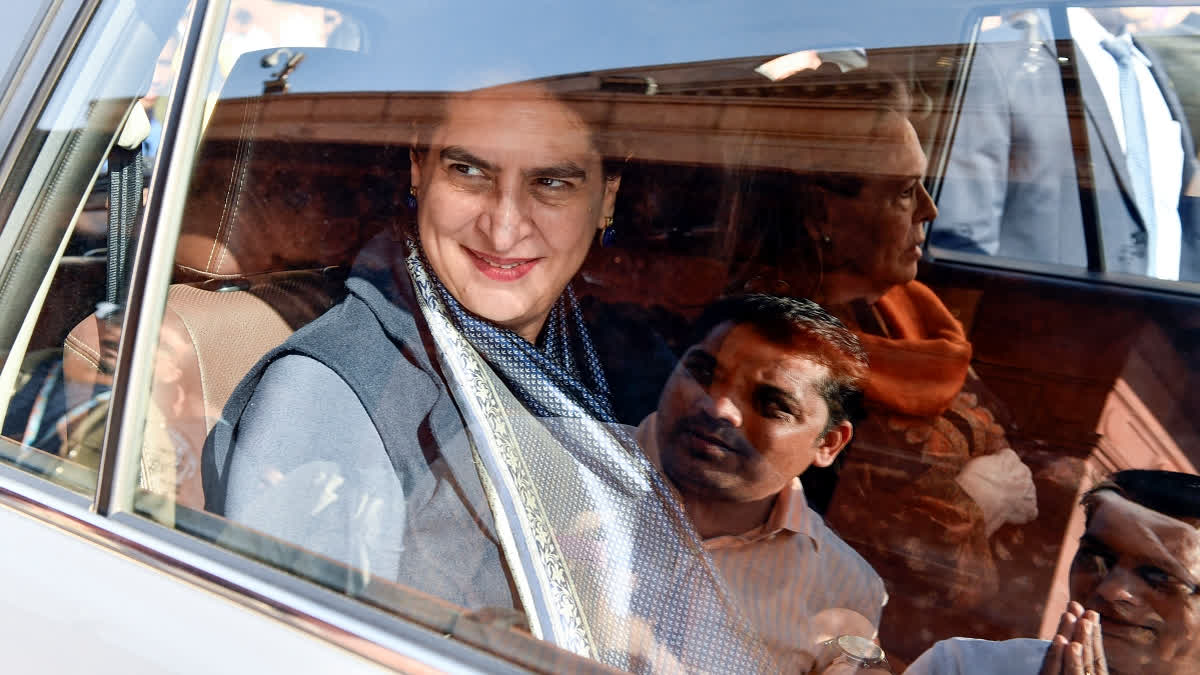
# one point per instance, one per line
(509, 210)
(359, 336)
(456, 390)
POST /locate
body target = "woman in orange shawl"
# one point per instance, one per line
(930, 475)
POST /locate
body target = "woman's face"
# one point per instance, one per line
(510, 195)
(876, 236)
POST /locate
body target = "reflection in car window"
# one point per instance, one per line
(69, 238)
(1010, 188)
(17, 31)
(254, 25)
(646, 361)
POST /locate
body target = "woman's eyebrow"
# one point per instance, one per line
(897, 178)
(457, 153)
(562, 170)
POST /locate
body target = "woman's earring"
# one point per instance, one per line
(826, 240)
(411, 200)
(608, 234)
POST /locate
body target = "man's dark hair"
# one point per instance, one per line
(805, 326)
(1170, 493)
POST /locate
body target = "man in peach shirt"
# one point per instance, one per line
(766, 393)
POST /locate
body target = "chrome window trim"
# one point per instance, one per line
(26, 51)
(33, 92)
(325, 614)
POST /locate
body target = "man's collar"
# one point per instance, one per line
(1085, 29)
(791, 513)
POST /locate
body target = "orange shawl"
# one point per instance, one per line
(922, 364)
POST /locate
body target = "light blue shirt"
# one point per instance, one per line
(967, 656)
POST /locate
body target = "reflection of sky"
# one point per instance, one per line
(433, 45)
(14, 29)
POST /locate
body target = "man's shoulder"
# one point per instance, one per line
(981, 657)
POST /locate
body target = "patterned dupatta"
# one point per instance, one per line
(605, 561)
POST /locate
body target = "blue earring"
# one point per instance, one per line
(411, 200)
(608, 235)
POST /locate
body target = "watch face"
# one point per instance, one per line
(860, 648)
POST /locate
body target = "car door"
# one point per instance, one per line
(123, 594)
(276, 145)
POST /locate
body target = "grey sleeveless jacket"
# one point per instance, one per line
(345, 441)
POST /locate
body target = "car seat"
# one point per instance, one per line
(272, 222)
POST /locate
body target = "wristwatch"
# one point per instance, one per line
(857, 652)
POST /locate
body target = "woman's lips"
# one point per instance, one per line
(911, 254)
(501, 269)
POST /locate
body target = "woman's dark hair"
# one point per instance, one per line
(590, 110)
(1170, 493)
(767, 211)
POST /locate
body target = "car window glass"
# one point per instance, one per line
(63, 290)
(1012, 167)
(17, 32)
(371, 371)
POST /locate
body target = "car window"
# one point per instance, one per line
(17, 32)
(625, 328)
(1022, 136)
(65, 272)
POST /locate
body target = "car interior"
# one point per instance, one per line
(300, 165)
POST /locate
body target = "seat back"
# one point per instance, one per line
(271, 224)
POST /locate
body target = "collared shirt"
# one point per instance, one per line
(1163, 135)
(798, 583)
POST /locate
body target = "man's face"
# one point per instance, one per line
(1138, 570)
(741, 416)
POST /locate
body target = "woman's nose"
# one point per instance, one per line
(504, 219)
(926, 210)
